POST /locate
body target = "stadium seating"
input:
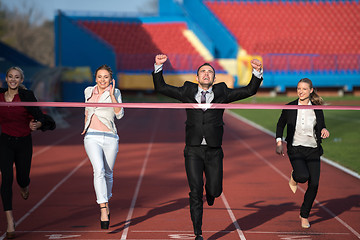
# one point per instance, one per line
(137, 43)
(318, 30)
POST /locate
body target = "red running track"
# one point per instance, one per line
(150, 195)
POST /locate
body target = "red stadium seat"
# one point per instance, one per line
(135, 43)
(292, 27)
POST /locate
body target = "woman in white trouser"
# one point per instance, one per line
(102, 146)
(101, 139)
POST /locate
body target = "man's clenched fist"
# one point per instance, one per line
(160, 59)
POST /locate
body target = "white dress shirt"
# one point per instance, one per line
(304, 130)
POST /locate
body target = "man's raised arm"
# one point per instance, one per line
(158, 79)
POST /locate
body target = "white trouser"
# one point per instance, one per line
(102, 148)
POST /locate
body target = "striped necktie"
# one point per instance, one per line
(203, 96)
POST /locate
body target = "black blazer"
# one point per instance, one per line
(199, 123)
(288, 117)
(47, 122)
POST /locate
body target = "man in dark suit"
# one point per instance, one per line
(204, 130)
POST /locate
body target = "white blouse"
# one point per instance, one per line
(304, 130)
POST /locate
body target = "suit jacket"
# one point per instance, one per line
(47, 122)
(209, 123)
(288, 117)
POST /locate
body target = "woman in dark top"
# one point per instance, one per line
(305, 129)
(16, 123)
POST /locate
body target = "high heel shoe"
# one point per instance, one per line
(305, 224)
(24, 192)
(105, 224)
(292, 183)
(11, 235)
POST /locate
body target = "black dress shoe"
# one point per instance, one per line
(210, 200)
(199, 237)
(24, 192)
(104, 224)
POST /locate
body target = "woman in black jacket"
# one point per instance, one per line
(305, 129)
(17, 122)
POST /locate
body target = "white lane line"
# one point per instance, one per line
(67, 137)
(44, 149)
(233, 218)
(56, 186)
(342, 168)
(48, 194)
(50, 146)
(297, 233)
(141, 176)
(250, 232)
(171, 231)
(328, 161)
(66, 231)
(287, 179)
(339, 219)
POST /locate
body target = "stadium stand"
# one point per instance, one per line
(136, 44)
(311, 35)
(294, 39)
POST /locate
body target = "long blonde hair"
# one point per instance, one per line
(314, 97)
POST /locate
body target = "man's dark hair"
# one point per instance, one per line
(205, 64)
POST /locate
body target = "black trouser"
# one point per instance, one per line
(16, 150)
(200, 160)
(306, 165)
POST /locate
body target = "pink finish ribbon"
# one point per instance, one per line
(180, 105)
